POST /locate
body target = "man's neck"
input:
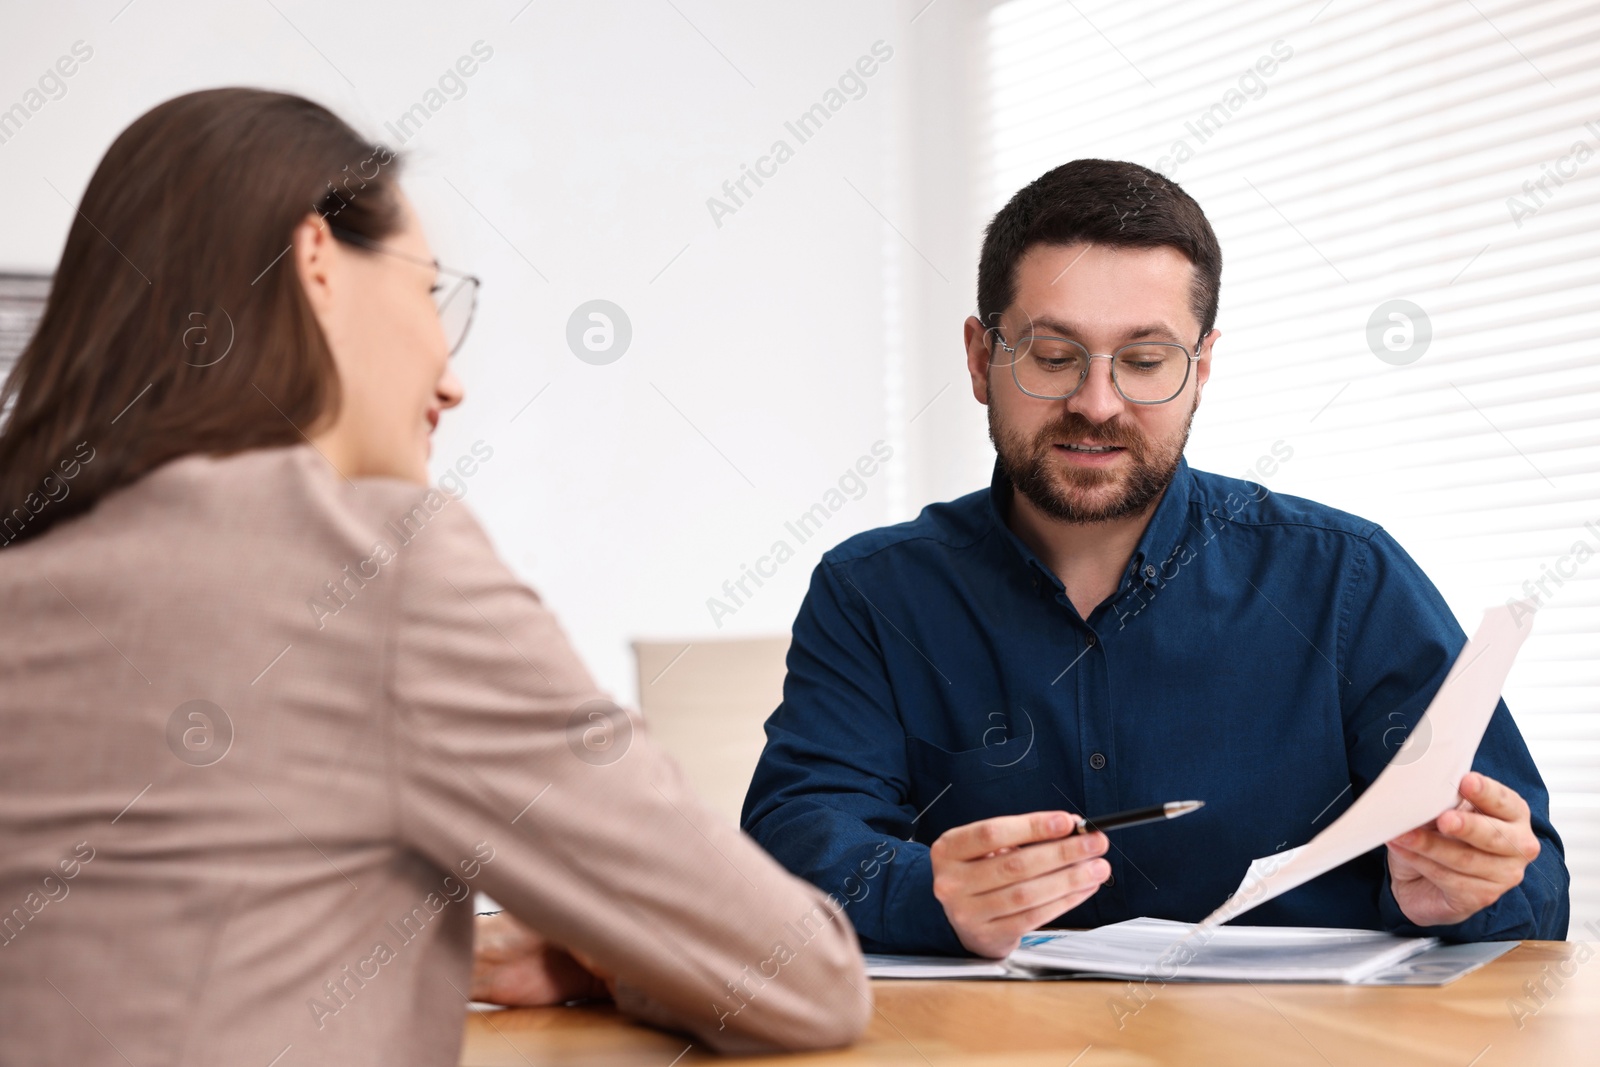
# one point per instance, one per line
(1088, 557)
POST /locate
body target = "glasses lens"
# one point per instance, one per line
(1150, 373)
(1050, 366)
(456, 305)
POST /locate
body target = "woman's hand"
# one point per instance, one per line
(517, 967)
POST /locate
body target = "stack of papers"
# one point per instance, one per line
(1169, 950)
(1173, 951)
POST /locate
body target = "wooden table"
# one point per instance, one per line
(1076, 1024)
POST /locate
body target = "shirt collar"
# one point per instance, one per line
(1157, 544)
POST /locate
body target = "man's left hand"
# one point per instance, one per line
(1455, 866)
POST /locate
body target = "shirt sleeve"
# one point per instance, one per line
(829, 797)
(503, 746)
(1399, 641)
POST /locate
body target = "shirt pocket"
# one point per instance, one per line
(956, 788)
(930, 764)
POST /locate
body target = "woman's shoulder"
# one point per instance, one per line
(271, 500)
(271, 481)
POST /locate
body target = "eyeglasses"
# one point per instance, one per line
(455, 301)
(1054, 368)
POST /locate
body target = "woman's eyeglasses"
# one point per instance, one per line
(455, 295)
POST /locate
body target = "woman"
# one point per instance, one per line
(271, 708)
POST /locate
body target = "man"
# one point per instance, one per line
(1106, 628)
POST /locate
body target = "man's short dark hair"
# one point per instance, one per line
(1105, 202)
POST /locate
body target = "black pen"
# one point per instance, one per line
(1135, 816)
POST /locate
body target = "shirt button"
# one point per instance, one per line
(1090, 640)
(1111, 880)
(1097, 761)
(1149, 571)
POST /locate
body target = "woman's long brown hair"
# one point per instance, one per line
(176, 323)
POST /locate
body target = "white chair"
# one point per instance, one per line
(705, 702)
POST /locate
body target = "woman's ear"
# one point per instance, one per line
(314, 253)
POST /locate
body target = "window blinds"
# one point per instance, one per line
(1408, 200)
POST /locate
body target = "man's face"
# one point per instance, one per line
(1093, 456)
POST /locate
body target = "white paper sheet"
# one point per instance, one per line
(1419, 784)
(958, 967)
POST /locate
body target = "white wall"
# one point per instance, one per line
(584, 150)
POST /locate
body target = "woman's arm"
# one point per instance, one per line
(507, 756)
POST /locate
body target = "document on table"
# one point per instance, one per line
(1161, 948)
(881, 966)
(1168, 951)
(1419, 784)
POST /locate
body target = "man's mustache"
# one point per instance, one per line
(1076, 427)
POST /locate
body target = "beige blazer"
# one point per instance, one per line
(262, 732)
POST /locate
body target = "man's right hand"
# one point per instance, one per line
(1004, 877)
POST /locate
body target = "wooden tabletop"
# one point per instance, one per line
(1538, 1004)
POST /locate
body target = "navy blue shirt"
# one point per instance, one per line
(1263, 653)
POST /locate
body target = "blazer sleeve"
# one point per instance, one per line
(503, 746)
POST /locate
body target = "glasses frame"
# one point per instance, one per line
(1191, 358)
(471, 281)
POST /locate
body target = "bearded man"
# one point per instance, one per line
(1105, 628)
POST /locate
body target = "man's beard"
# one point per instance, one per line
(1062, 492)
